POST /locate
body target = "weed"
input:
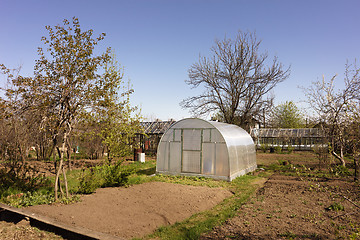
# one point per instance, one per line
(335, 207)
(341, 171)
(288, 235)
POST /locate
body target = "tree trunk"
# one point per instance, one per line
(57, 179)
(61, 168)
(357, 168)
(65, 182)
(339, 158)
(55, 162)
(68, 152)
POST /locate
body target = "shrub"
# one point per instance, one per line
(264, 147)
(341, 170)
(106, 175)
(290, 149)
(88, 183)
(277, 149)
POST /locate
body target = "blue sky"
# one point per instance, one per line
(156, 41)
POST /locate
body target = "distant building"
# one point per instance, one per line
(298, 139)
(153, 133)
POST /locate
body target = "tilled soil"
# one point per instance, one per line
(293, 208)
(135, 211)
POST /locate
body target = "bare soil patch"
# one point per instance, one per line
(137, 210)
(293, 208)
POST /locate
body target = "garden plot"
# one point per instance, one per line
(290, 207)
(137, 210)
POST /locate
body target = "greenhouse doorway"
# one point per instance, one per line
(191, 150)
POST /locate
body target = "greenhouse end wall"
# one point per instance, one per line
(196, 147)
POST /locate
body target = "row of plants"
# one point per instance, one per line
(276, 149)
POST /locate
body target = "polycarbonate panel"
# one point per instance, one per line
(191, 123)
(216, 136)
(234, 160)
(192, 139)
(191, 161)
(208, 158)
(222, 160)
(168, 136)
(162, 157)
(177, 135)
(175, 157)
(207, 135)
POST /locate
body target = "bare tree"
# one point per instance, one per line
(336, 109)
(236, 79)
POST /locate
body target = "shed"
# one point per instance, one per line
(196, 147)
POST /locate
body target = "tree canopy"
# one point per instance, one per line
(237, 79)
(286, 115)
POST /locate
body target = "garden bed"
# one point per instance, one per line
(135, 211)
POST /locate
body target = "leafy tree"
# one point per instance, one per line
(286, 115)
(69, 80)
(118, 122)
(236, 79)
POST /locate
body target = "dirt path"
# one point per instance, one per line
(137, 210)
(288, 208)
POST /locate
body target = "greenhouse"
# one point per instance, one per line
(195, 147)
(298, 138)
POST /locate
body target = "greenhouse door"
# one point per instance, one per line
(191, 151)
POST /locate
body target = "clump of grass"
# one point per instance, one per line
(335, 207)
(42, 196)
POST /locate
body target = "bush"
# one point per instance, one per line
(264, 147)
(116, 175)
(277, 149)
(290, 149)
(88, 183)
(341, 170)
(106, 175)
(16, 178)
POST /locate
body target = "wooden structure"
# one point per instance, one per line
(12, 214)
(153, 133)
